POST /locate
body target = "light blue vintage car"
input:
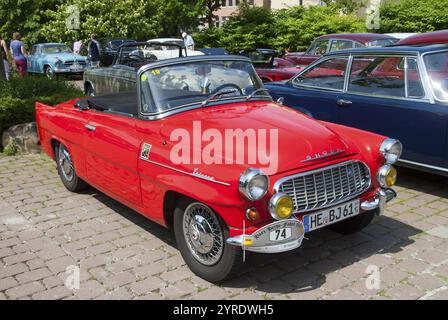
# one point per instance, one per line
(53, 59)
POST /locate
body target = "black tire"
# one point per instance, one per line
(230, 258)
(354, 224)
(49, 73)
(90, 91)
(70, 180)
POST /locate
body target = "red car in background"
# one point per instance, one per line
(269, 65)
(334, 42)
(435, 37)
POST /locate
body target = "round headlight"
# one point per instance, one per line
(253, 184)
(391, 150)
(387, 176)
(281, 206)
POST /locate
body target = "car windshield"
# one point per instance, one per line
(194, 83)
(165, 44)
(114, 44)
(381, 42)
(135, 55)
(56, 48)
(437, 67)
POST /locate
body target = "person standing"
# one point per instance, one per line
(19, 53)
(94, 51)
(188, 40)
(77, 47)
(6, 67)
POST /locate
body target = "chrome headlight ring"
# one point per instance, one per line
(253, 184)
(391, 150)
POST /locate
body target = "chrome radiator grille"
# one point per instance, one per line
(70, 63)
(324, 187)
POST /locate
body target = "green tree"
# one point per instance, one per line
(298, 26)
(25, 16)
(347, 6)
(107, 18)
(209, 13)
(414, 16)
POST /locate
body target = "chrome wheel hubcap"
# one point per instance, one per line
(203, 234)
(66, 163)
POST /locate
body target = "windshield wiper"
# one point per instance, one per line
(255, 92)
(215, 95)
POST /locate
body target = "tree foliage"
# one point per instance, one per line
(46, 20)
(293, 28)
(414, 16)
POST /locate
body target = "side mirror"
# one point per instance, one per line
(281, 100)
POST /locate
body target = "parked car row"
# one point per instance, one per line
(174, 139)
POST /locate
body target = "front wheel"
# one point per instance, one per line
(201, 238)
(355, 224)
(49, 73)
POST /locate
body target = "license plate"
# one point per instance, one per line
(280, 234)
(329, 216)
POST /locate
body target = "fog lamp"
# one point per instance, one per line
(387, 176)
(281, 206)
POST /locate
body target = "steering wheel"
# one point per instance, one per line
(227, 85)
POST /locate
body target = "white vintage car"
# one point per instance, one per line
(162, 52)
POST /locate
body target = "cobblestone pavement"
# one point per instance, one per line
(44, 229)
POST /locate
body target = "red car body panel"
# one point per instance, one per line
(108, 158)
(304, 59)
(436, 37)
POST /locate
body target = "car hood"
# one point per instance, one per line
(67, 56)
(301, 139)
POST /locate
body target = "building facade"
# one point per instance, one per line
(230, 7)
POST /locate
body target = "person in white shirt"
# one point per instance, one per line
(188, 40)
(77, 46)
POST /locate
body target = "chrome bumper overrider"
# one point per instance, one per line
(264, 239)
(379, 200)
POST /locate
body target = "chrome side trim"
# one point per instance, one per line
(192, 174)
(419, 164)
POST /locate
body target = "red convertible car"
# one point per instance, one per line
(201, 148)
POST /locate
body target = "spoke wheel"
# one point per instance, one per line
(66, 169)
(200, 236)
(203, 234)
(66, 163)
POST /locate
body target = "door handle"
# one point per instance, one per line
(343, 102)
(90, 127)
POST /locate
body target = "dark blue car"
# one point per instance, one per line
(398, 91)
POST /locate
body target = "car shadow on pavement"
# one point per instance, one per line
(303, 269)
(424, 182)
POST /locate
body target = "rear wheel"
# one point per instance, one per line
(355, 224)
(66, 170)
(201, 238)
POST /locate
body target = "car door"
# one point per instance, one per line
(385, 94)
(314, 90)
(112, 147)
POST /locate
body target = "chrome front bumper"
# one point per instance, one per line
(379, 200)
(263, 240)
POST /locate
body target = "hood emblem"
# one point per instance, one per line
(323, 154)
